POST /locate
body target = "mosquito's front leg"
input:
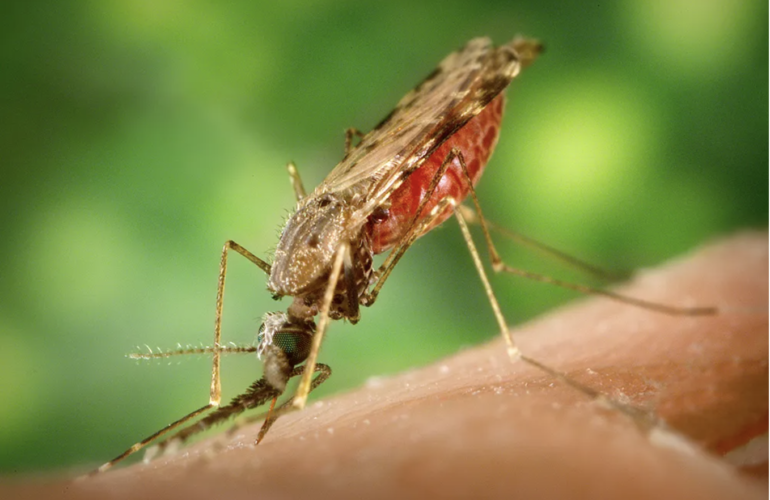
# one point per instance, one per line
(215, 393)
(296, 181)
(215, 390)
(341, 255)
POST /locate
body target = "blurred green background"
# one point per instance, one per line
(137, 136)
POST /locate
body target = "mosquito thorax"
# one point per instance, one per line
(306, 249)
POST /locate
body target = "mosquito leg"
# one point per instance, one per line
(144, 442)
(497, 263)
(349, 133)
(513, 351)
(499, 266)
(231, 245)
(471, 217)
(643, 419)
(215, 393)
(300, 397)
(296, 181)
(353, 313)
(416, 229)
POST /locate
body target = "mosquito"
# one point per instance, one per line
(399, 181)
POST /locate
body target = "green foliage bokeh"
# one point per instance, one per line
(138, 136)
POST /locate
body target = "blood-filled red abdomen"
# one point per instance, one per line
(476, 140)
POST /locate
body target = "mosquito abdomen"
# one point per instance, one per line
(476, 140)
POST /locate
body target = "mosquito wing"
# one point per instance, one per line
(462, 85)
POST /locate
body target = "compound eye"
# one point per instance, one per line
(296, 345)
(294, 339)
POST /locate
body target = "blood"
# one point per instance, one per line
(476, 140)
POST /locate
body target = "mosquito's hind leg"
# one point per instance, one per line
(417, 228)
(498, 265)
(471, 217)
(642, 418)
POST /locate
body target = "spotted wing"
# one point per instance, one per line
(462, 85)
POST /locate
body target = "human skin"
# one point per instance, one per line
(476, 425)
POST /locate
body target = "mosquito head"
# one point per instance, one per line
(305, 252)
(292, 337)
